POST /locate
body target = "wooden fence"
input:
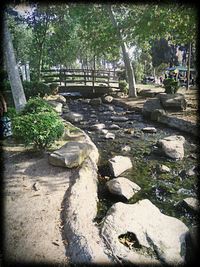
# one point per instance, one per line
(85, 77)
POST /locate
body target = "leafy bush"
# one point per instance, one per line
(123, 85)
(11, 112)
(32, 89)
(171, 86)
(40, 129)
(35, 105)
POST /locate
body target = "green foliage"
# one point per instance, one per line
(36, 105)
(171, 86)
(33, 89)
(11, 112)
(123, 85)
(40, 129)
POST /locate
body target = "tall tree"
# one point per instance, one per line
(13, 71)
(127, 61)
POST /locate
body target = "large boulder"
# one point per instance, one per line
(123, 187)
(172, 146)
(57, 106)
(119, 164)
(173, 101)
(150, 105)
(152, 234)
(71, 155)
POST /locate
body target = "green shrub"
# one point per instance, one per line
(11, 112)
(123, 86)
(32, 89)
(171, 86)
(40, 129)
(36, 105)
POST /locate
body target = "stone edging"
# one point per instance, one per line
(172, 121)
(85, 244)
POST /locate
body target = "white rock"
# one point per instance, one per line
(163, 168)
(123, 187)
(149, 129)
(98, 126)
(114, 127)
(119, 164)
(104, 131)
(172, 146)
(191, 202)
(126, 148)
(110, 136)
(160, 233)
(120, 119)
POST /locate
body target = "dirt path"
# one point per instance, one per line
(33, 196)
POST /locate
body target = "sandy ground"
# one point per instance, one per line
(33, 202)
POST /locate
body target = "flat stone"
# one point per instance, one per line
(71, 155)
(73, 117)
(98, 126)
(110, 136)
(172, 146)
(114, 127)
(123, 187)
(119, 164)
(149, 130)
(119, 119)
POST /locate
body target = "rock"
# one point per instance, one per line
(173, 101)
(57, 106)
(192, 246)
(73, 117)
(126, 148)
(156, 115)
(191, 202)
(123, 187)
(119, 119)
(98, 126)
(107, 99)
(57, 98)
(71, 155)
(191, 171)
(159, 234)
(149, 106)
(36, 186)
(161, 168)
(95, 101)
(129, 131)
(149, 130)
(119, 164)
(114, 127)
(172, 146)
(110, 136)
(93, 116)
(110, 108)
(147, 93)
(104, 131)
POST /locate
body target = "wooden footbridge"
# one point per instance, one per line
(84, 81)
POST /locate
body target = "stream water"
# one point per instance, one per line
(163, 190)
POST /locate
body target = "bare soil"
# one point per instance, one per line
(34, 194)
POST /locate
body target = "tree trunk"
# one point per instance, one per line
(188, 68)
(127, 61)
(13, 71)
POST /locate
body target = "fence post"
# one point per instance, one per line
(84, 77)
(108, 78)
(93, 81)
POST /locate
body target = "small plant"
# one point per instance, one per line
(11, 112)
(40, 129)
(123, 85)
(36, 105)
(171, 86)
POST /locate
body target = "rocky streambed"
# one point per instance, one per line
(154, 169)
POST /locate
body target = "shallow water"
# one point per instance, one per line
(163, 190)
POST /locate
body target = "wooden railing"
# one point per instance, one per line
(81, 76)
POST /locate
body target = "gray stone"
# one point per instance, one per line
(57, 106)
(96, 101)
(119, 119)
(73, 117)
(71, 155)
(156, 115)
(159, 234)
(172, 146)
(161, 168)
(107, 99)
(123, 187)
(114, 127)
(191, 202)
(98, 126)
(104, 131)
(149, 130)
(150, 105)
(173, 101)
(119, 164)
(110, 136)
